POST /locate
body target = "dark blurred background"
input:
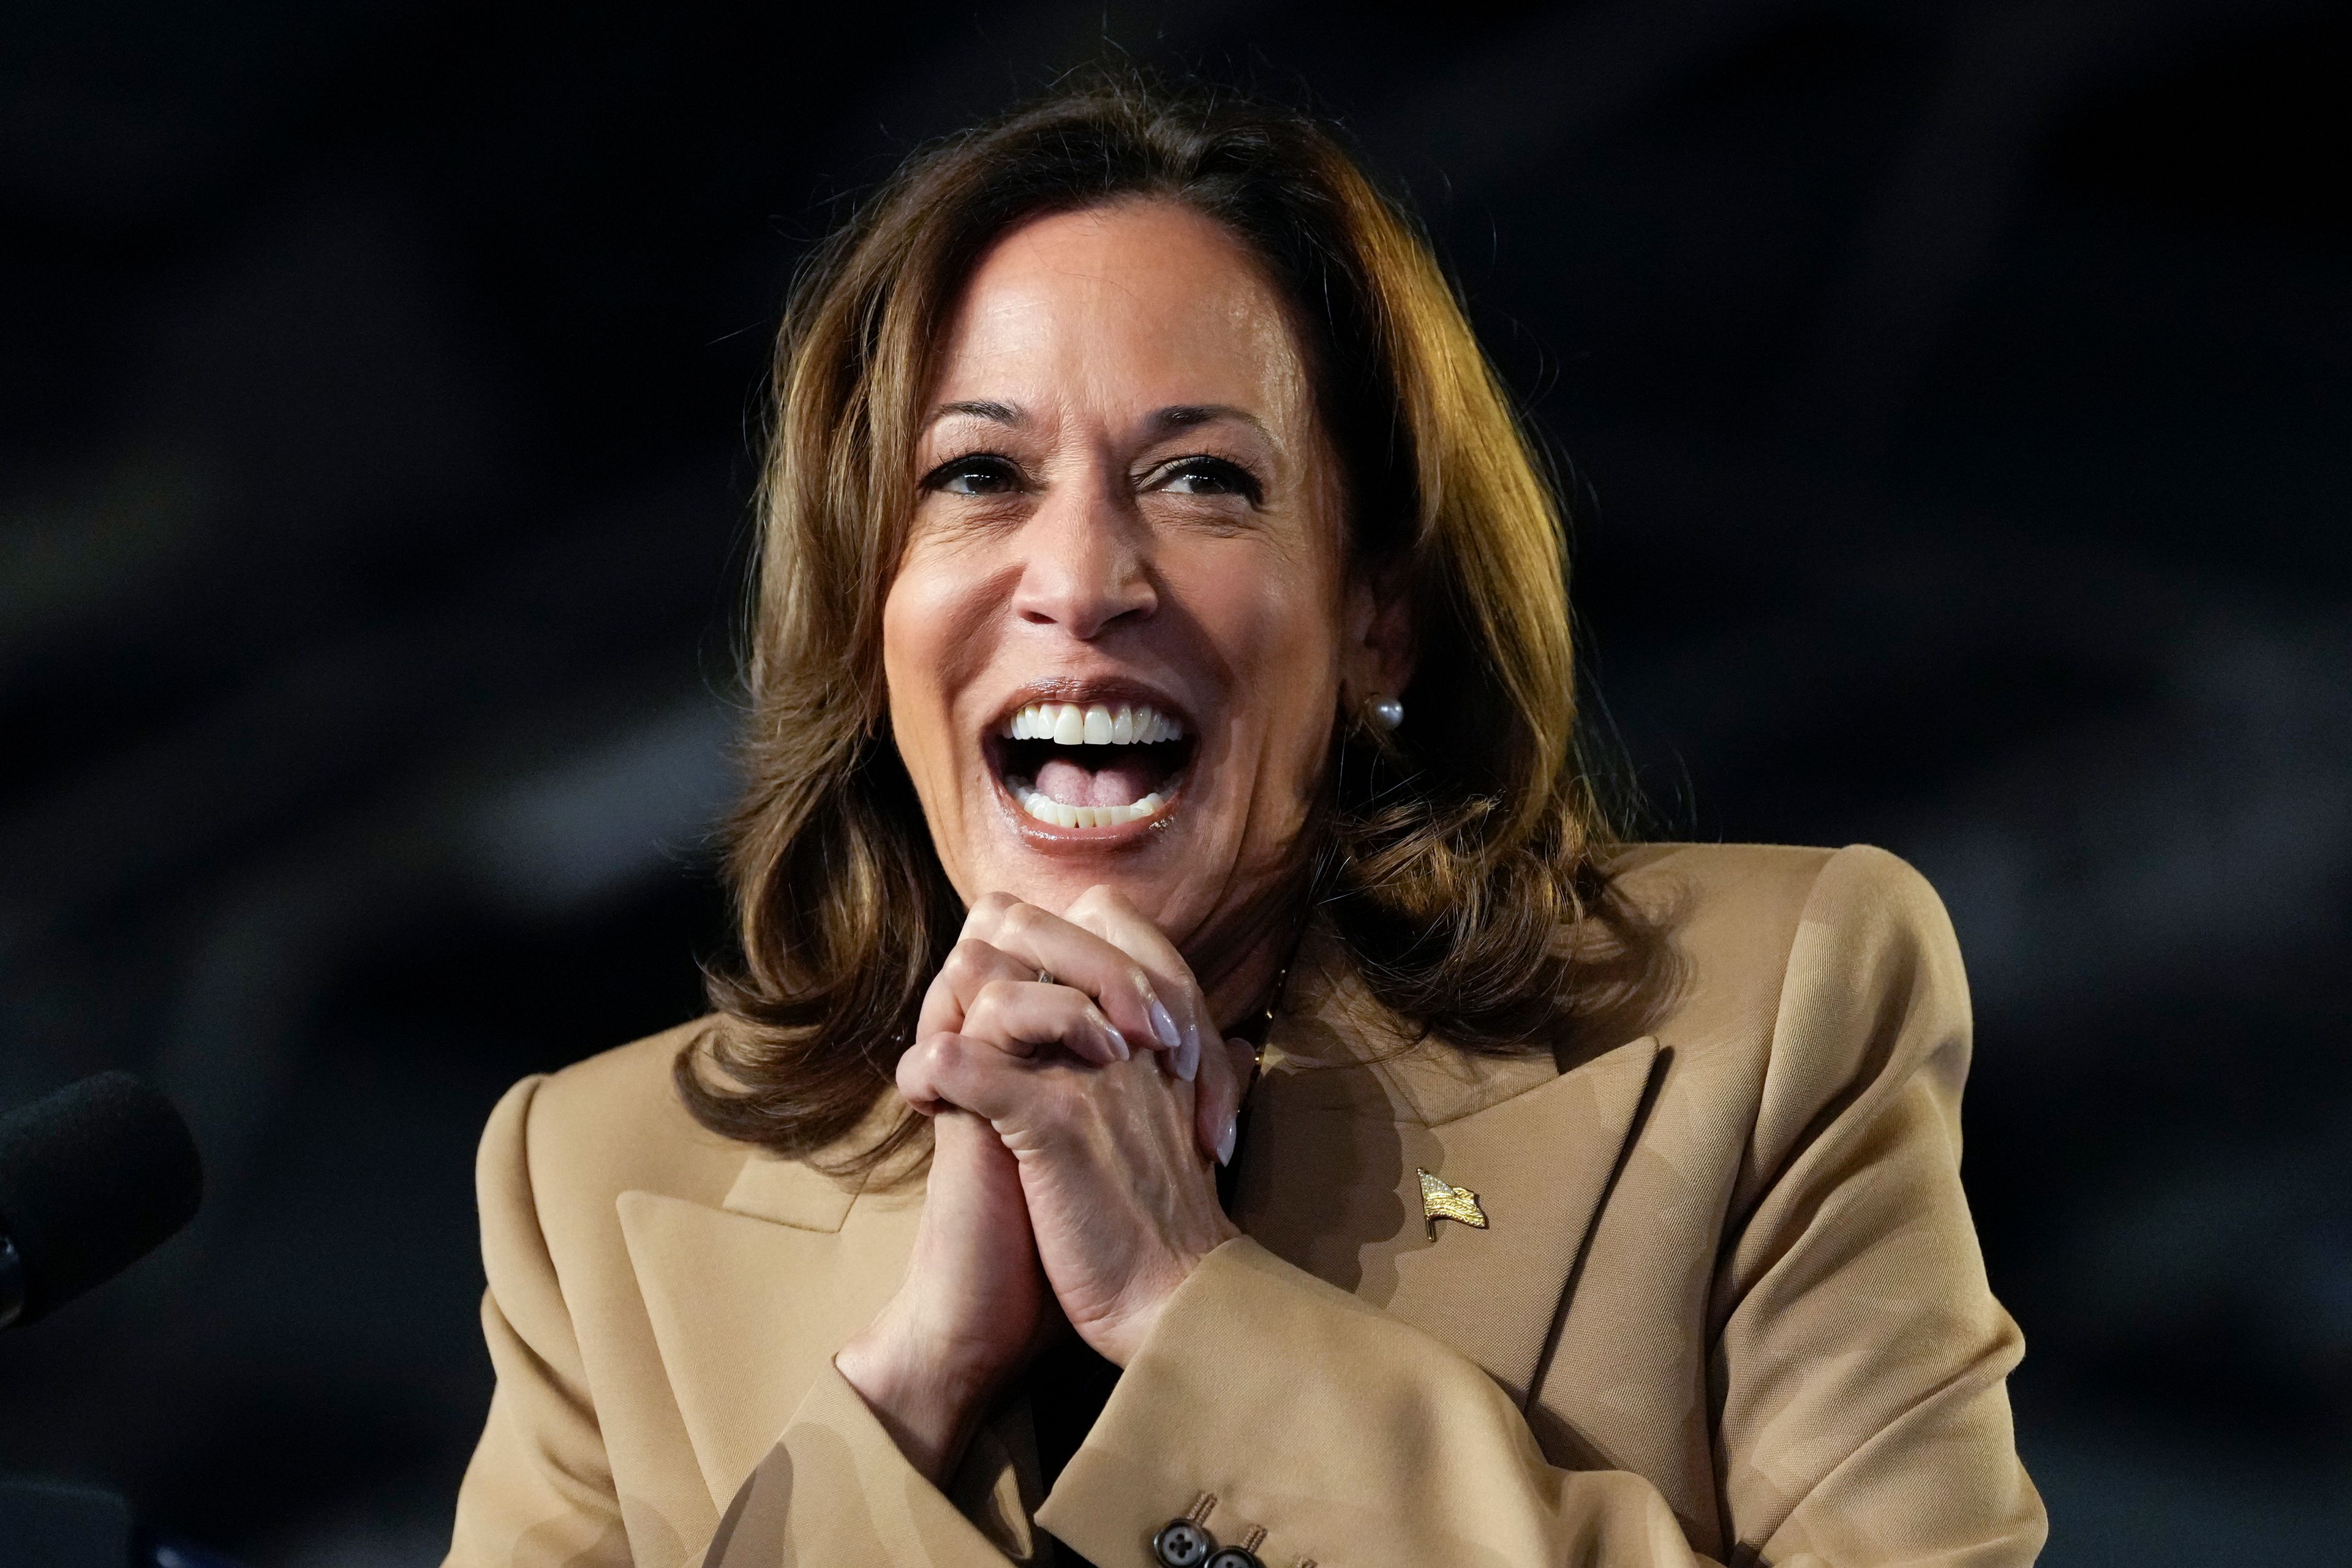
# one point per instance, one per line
(1955, 402)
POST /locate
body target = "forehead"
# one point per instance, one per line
(1145, 300)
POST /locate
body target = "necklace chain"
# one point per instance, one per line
(1262, 1026)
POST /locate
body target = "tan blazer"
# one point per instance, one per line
(1728, 1307)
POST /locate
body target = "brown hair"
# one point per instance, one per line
(1454, 859)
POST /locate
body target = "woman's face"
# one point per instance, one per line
(1124, 618)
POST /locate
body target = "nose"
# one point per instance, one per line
(1085, 566)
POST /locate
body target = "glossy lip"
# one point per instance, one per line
(1110, 692)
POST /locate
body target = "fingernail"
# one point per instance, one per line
(1225, 1138)
(1161, 1024)
(1187, 1060)
(1111, 1031)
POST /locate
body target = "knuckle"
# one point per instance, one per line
(942, 1053)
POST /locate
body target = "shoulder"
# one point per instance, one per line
(1793, 963)
(561, 1147)
(1739, 915)
(1772, 881)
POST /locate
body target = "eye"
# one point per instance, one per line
(1206, 476)
(975, 474)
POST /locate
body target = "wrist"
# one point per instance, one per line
(1118, 1339)
(928, 1402)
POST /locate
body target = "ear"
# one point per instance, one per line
(1380, 651)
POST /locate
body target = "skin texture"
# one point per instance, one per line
(1122, 489)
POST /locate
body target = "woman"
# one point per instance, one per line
(1202, 1086)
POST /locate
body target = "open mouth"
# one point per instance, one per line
(1099, 765)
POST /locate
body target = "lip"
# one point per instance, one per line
(1110, 692)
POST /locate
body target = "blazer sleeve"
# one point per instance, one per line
(837, 1489)
(1855, 1359)
(539, 1492)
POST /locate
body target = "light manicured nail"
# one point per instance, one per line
(1162, 1025)
(1111, 1032)
(1225, 1138)
(1187, 1060)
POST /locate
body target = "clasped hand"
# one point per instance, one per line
(1080, 1093)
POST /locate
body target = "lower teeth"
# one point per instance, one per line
(1048, 810)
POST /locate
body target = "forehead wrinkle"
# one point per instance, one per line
(1101, 277)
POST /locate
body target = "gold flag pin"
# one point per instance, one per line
(1441, 1201)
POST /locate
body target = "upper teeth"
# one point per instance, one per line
(1067, 724)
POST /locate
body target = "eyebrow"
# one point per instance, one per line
(1188, 416)
(1176, 416)
(980, 408)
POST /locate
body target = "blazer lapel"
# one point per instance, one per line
(1333, 1185)
(1348, 1115)
(1540, 1164)
(748, 1302)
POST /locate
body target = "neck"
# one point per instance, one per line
(1240, 969)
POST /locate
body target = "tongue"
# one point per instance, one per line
(1117, 783)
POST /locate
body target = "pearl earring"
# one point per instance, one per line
(1385, 712)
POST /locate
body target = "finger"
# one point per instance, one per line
(924, 1069)
(1106, 912)
(1217, 1086)
(1217, 1099)
(1125, 989)
(952, 1070)
(1023, 1017)
(971, 965)
(1224, 1083)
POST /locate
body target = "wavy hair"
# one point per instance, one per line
(1457, 859)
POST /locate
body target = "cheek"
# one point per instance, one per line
(919, 644)
(1299, 708)
(1278, 628)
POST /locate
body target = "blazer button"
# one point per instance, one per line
(1234, 1557)
(1181, 1543)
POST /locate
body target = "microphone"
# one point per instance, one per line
(92, 1179)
